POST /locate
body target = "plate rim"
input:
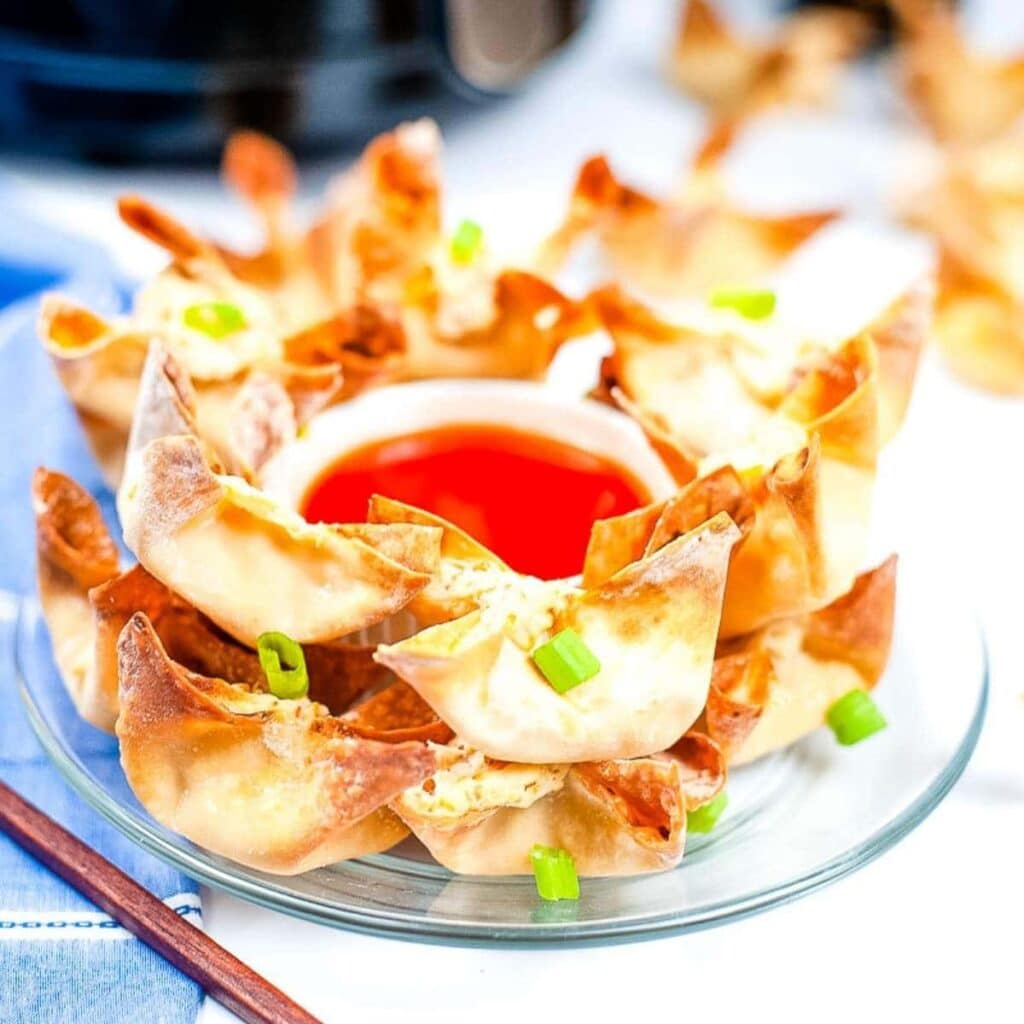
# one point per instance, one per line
(441, 931)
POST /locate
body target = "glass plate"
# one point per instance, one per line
(796, 821)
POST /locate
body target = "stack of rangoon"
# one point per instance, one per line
(726, 619)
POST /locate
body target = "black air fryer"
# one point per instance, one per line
(167, 79)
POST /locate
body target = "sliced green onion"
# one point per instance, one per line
(705, 818)
(466, 241)
(854, 717)
(554, 871)
(216, 319)
(566, 661)
(753, 303)
(284, 665)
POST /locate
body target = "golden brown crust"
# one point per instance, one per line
(70, 533)
(258, 167)
(160, 227)
(166, 405)
(455, 542)
(738, 77)
(639, 793)
(961, 95)
(245, 562)
(395, 714)
(702, 767)
(615, 818)
(99, 370)
(292, 790)
(834, 396)
(651, 626)
(366, 342)
(687, 245)
(778, 568)
(339, 674)
(369, 294)
(74, 552)
(773, 686)
(898, 336)
(740, 686)
(798, 448)
(971, 208)
(857, 627)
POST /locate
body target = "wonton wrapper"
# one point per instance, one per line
(248, 403)
(383, 219)
(962, 95)
(651, 626)
(249, 564)
(793, 556)
(481, 817)
(86, 603)
(394, 305)
(686, 245)
(979, 328)
(794, 467)
(737, 77)
(74, 554)
(718, 391)
(466, 568)
(370, 290)
(276, 785)
(774, 686)
(339, 673)
(394, 714)
(478, 816)
(974, 209)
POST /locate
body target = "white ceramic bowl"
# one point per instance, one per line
(407, 408)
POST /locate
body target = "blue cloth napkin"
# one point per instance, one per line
(61, 959)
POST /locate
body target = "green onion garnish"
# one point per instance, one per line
(466, 241)
(555, 873)
(284, 665)
(705, 818)
(216, 319)
(754, 304)
(854, 717)
(566, 661)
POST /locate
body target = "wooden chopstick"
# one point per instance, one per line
(222, 976)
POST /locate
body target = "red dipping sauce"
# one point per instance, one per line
(529, 498)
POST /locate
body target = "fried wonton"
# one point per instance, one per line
(651, 626)
(74, 554)
(401, 298)
(685, 245)
(248, 399)
(719, 385)
(773, 686)
(961, 94)
(382, 223)
(480, 816)
(737, 77)
(789, 455)
(86, 603)
(791, 556)
(278, 785)
(974, 209)
(249, 564)
(371, 288)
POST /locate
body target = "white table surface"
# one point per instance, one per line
(931, 929)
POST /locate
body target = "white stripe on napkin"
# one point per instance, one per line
(29, 925)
